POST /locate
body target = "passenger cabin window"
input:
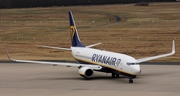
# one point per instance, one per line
(132, 63)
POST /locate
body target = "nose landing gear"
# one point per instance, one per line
(130, 79)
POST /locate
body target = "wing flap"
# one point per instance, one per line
(96, 67)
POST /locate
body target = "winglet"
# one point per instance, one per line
(173, 47)
(8, 54)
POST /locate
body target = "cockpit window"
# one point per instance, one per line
(132, 63)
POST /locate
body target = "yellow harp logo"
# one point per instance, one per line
(72, 29)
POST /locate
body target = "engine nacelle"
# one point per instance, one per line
(86, 72)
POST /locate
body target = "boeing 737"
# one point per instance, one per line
(90, 60)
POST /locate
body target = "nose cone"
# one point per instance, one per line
(136, 69)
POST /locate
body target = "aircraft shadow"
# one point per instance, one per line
(82, 78)
(155, 74)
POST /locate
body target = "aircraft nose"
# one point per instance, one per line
(137, 69)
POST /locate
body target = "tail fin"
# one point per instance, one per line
(73, 31)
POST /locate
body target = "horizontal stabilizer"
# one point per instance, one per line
(93, 45)
(59, 48)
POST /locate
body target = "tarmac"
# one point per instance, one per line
(20, 79)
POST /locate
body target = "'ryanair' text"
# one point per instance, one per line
(106, 60)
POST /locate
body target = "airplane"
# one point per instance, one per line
(90, 59)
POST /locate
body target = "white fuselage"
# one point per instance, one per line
(115, 61)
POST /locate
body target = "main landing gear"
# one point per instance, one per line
(115, 75)
(130, 77)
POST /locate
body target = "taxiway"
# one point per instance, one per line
(18, 79)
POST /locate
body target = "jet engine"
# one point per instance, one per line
(86, 72)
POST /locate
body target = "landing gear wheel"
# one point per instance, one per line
(134, 76)
(130, 80)
(115, 75)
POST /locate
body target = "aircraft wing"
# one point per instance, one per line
(159, 56)
(94, 67)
